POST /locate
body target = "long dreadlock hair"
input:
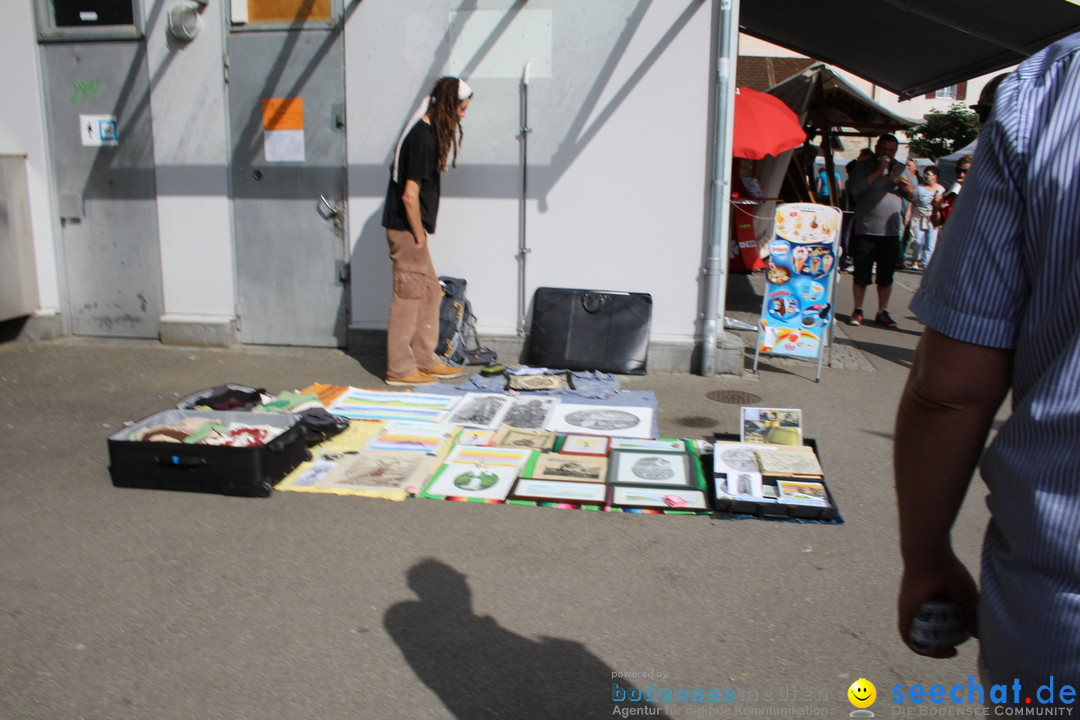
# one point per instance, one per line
(443, 113)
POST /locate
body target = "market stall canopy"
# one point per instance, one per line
(764, 125)
(912, 47)
(845, 105)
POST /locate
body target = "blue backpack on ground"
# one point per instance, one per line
(457, 327)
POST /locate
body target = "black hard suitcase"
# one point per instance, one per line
(248, 471)
(599, 330)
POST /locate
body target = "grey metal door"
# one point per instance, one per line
(105, 185)
(286, 104)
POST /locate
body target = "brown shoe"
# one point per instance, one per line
(417, 378)
(444, 372)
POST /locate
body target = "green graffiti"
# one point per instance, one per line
(85, 90)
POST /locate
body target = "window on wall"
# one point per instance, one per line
(946, 93)
(92, 13)
(87, 19)
(281, 11)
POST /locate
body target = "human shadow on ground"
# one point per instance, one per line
(480, 670)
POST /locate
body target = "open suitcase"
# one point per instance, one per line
(250, 471)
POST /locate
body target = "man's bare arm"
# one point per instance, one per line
(952, 395)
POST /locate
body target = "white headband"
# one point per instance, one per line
(464, 93)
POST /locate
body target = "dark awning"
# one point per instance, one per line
(912, 47)
(845, 106)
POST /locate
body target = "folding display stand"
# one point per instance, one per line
(797, 310)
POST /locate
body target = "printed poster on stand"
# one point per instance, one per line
(796, 311)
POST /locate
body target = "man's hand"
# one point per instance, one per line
(946, 577)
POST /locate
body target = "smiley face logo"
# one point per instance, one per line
(862, 693)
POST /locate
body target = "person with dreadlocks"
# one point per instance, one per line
(429, 141)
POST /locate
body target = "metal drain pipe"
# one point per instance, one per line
(523, 247)
(715, 270)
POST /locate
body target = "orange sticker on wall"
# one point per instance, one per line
(283, 114)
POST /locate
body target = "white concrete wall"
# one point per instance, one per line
(191, 154)
(618, 186)
(23, 132)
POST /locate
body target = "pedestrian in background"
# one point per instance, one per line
(923, 231)
(878, 188)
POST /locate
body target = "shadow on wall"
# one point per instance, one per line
(480, 670)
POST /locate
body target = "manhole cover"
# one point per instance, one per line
(733, 397)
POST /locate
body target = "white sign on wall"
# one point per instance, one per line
(98, 130)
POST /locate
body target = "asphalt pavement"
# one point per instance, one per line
(142, 604)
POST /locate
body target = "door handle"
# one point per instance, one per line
(330, 211)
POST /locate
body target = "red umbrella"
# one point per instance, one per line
(764, 125)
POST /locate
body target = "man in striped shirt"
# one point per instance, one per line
(1001, 304)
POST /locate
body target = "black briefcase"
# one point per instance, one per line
(599, 330)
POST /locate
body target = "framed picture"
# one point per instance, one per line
(530, 413)
(802, 492)
(747, 486)
(480, 410)
(560, 491)
(512, 437)
(615, 421)
(417, 436)
(509, 457)
(651, 497)
(545, 381)
(629, 467)
(776, 426)
(359, 404)
(475, 437)
(466, 480)
(648, 445)
(574, 444)
(572, 468)
(379, 473)
(731, 457)
(787, 460)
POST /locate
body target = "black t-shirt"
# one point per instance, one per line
(418, 160)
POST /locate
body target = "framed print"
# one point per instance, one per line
(732, 457)
(474, 436)
(574, 444)
(560, 491)
(629, 467)
(648, 445)
(480, 410)
(802, 492)
(783, 461)
(776, 426)
(359, 404)
(509, 457)
(512, 437)
(530, 413)
(748, 486)
(545, 381)
(379, 474)
(615, 421)
(417, 436)
(651, 497)
(572, 468)
(466, 480)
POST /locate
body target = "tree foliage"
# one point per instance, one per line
(942, 133)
